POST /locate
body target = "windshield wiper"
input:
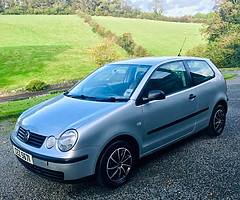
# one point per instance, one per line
(79, 96)
(113, 99)
(110, 99)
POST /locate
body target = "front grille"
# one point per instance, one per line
(54, 175)
(34, 139)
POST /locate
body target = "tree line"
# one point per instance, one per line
(116, 8)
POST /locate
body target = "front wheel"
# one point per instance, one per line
(218, 120)
(115, 164)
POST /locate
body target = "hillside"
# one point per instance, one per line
(54, 48)
(48, 48)
(158, 37)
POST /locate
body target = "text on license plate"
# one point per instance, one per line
(21, 154)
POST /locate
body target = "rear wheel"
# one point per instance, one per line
(116, 164)
(218, 120)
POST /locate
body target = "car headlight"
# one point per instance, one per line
(67, 140)
(51, 141)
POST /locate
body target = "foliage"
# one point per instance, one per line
(126, 42)
(139, 51)
(36, 85)
(225, 21)
(227, 50)
(104, 52)
(198, 51)
(116, 8)
(223, 34)
(224, 53)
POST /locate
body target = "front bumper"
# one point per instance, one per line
(61, 169)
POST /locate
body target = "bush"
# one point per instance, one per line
(36, 85)
(104, 53)
(229, 48)
(224, 53)
(139, 51)
(111, 36)
(127, 43)
(198, 51)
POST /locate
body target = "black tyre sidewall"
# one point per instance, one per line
(102, 176)
(212, 131)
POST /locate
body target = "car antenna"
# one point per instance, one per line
(179, 54)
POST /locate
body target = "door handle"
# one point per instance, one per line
(192, 96)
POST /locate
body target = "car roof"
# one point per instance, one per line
(155, 60)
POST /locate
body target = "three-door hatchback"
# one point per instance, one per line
(118, 114)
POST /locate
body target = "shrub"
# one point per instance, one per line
(224, 53)
(100, 30)
(87, 19)
(126, 42)
(111, 36)
(229, 48)
(198, 51)
(104, 52)
(139, 51)
(36, 85)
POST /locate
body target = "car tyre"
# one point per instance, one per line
(116, 164)
(217, 121)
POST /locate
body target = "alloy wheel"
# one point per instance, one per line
(119, 164)
(219, 120)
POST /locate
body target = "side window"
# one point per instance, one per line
(200, 71)
(169, 78)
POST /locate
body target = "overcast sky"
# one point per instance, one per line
(180, 7)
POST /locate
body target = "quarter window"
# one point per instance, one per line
(169, 78)
(200, 71)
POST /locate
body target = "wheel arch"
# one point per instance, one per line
(124, 137)
(224, 103)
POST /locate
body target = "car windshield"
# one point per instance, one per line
(114, 82)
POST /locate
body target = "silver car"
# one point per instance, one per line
(118, 114)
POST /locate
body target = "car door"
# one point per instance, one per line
(205, 88)
(171, 118)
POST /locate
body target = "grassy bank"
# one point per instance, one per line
(13, 109)
(228, 76)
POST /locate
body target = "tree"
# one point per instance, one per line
(157, 7)
(225, 21)
(223, 34)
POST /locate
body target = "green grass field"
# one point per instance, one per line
(159, 38)
(48, 48)
(54, 48)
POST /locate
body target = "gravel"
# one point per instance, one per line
(199, 167)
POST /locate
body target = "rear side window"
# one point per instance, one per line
(200, 71)
(170, 78)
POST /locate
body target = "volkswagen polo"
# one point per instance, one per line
(118, 114)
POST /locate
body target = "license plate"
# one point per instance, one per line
(23, 155)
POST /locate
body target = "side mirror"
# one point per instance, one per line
(154, 95)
